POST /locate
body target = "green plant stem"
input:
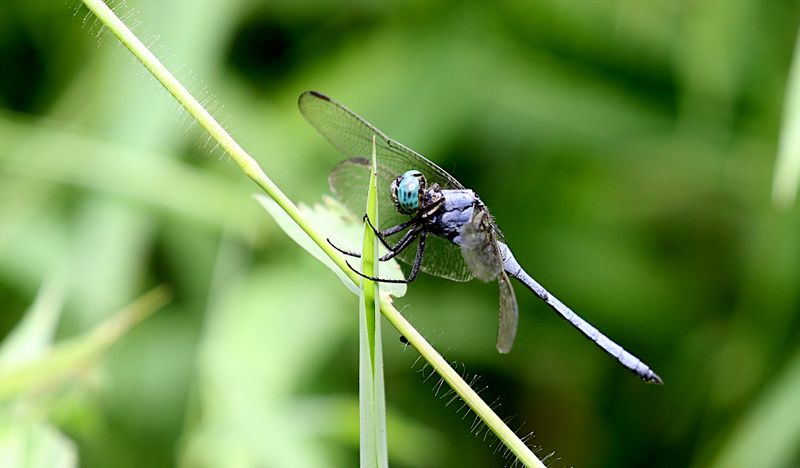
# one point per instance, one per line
(246, 162)
(251, 168)
(462, 388)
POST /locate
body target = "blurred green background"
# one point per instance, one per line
(626, 149)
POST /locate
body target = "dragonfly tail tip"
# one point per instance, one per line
(654, 378)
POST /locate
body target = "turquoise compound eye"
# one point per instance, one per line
(408, 191)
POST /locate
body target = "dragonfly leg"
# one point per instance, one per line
(392, 230)
(378, 280)
(401, 244)
(393, 250)
(341, 250)
(378, 233)
(418, 260)
(414, 269)
(407, 238)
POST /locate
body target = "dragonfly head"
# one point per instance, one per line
(407, 190)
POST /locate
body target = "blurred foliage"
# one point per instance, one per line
(626, 149)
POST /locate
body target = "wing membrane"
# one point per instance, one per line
(482, 255)
(479, 246)
(509, 315)
(352, 135)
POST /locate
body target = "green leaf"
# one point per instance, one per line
(34, 334)
(26, 441)
(372, 401)
(293, 230)
(331, 217)
(70, 357)
(768, 436)
(787, 168)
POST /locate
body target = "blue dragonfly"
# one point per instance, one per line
(447, 231)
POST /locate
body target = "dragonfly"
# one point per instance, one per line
(444, 228)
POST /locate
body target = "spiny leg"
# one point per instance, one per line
(388, 232)
(414, 268)
(418, 260)
(398, 247)
(392, 230)
(401, 245)
(341, 250)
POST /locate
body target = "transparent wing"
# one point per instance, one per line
(509, 312)
(352, 135)
(442, 258)
(479, 246)
(482, 255)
